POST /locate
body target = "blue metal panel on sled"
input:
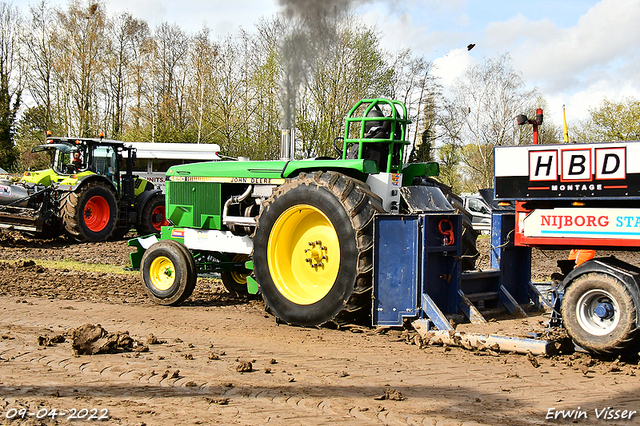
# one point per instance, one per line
(395, 259)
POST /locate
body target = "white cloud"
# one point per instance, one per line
(578, 66)
(452, 65)
(564, 57)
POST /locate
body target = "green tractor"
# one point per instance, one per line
(298, 232)
(84, 194)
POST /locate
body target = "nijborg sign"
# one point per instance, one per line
(567, 171)
(609, 223)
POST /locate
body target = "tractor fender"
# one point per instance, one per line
(142, 199)
(625, 272)
(353, 168)
(86, 179)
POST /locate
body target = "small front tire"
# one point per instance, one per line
(168, 272)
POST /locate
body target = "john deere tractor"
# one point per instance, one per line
(84, 194)
(298, 232)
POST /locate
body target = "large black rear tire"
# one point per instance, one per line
(153, 216)
(168, 272)
(90, 214)
(312, 250)
(599, 313)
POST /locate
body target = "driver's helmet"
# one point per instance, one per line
(374, 112)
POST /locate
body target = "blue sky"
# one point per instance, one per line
(576, 52)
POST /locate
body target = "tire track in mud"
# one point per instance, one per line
(270, 404)
(323, 376)
(260, 398)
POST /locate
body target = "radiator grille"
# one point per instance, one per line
(203, 197)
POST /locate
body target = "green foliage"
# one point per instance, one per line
(31, 131)
(350, 70)
(424, 151)
(8, 110)
(611, 121)
(449, 159)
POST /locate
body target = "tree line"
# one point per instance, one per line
(80, 70)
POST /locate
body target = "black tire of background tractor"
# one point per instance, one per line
(581, 295)
(46, 234)
(146, 220)
(119, 233)
(184, 267)
(469, 235)
(73, 210)
(235, 281)
(350, 207)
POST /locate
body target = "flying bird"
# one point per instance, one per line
(471, 46)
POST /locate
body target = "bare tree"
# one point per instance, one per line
(126, 34)
(482, 113)
(40, 57)
(353, 68)
(203, 55)
(11, 81)
(79, 64)
(170, 83)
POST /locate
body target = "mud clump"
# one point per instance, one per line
(244, 367)
(50, 340)
(90, 339)
(390, 395)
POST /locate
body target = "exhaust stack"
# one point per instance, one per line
(287, 144)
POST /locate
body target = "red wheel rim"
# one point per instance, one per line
(96, 213)
(158, 218)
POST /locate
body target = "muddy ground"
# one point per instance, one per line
(221, 360)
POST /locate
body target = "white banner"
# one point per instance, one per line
(583, 223)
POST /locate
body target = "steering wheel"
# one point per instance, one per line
(335, 145)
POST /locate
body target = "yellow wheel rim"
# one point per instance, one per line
(162, 273)
(239, 277)
(303, 254)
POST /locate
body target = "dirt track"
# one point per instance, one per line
(298, 376)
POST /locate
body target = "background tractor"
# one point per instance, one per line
(306, 225)
(84, 194)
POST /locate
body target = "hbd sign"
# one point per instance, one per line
(578, 165)
(568, 171)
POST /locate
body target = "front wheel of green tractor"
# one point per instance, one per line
(90, 214)
(312, 251)
(168, 272)
(235, 281)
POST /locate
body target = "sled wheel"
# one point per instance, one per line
(153, 216)
(236, 281)
(599, 313)
(313, 250)
(168, 272)
(90, 214)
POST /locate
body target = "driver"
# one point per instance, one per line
(77, 160)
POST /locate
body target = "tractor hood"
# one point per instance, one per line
(263, 172)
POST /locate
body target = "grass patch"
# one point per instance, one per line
(74, 265)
